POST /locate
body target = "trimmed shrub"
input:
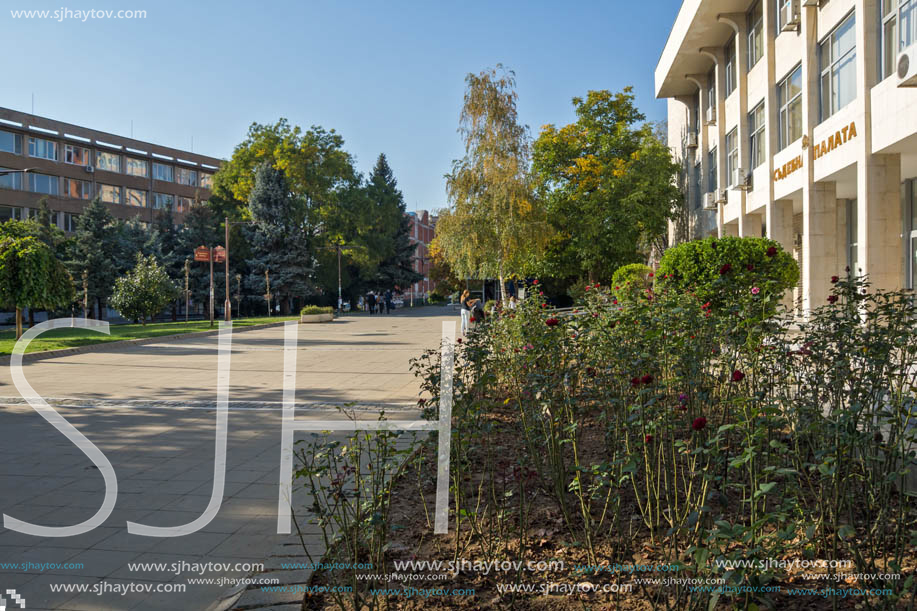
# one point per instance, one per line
(310, 310)
(630, 281)
(725, 271)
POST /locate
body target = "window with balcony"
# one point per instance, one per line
(110, 162)
(77, 189)
(755, 34)
(206, 180)
(789, 99)
(135, 197)
(184, 204)
(43, 183)
(110, 194)
(837, 56)
(10, 143)
(163, 201)
(77, 155)
(136, 167)
(184, 176)
(756, 122)
(732, 156)
(162, 172)
(43, 149)
(730, 66)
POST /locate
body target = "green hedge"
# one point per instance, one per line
(724, 270)
(314, 309)
(632, 280)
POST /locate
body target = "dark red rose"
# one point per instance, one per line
(647, 379)
(648, 439)
(635, 381)
(459, 340)
(737, 376)
(832, 298)
(699, 423)
(651, 274)
(725, 269)
(713, 244)
(750, 267)
(473, 319)
(551, 322)
(834, 279)
(771, 251)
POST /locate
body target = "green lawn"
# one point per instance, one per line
(72, 338)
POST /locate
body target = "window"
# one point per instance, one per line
(207, 180)
(696, 190)
(712, 184)
(756, 121)
(184, 204)
(711, 90)
(732, 156)
(10, 181)
(110, 194)
(110, 162)
(42, 183)
(77, 155)
(185, 176)
(852, 232)
(730, 66)
(10, 143)
(9, 214)
(789, 98)
(136, 197)
(67, 221)
(162, 201)
(77, 189)
(889, 44)
(162, 172)
(44, 149)
(908, 29)
(755, 34)
(838, 72)
(909, 192)
(136, 167)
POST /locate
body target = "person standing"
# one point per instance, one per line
(388, 301)
(371, 300)
(467, 304)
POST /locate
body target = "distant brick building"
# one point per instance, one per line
(423, 225)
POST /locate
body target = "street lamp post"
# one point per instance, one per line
(187, 287)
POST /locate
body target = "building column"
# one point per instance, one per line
(879, 220)
(819, 240)
(779, 223)
(751, 228)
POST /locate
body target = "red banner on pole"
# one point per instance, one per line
(219, 254)
(202, 253)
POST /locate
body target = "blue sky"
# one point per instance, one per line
(388, 76)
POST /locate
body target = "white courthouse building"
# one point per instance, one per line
(797, 120)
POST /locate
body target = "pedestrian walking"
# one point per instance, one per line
(388, 302)
(371, 300)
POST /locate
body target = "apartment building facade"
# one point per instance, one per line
(797, 120)
(423, 228)
(70, 165)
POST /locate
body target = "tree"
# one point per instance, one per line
(494, 226)
(168, 248)
(608, 184)
(30, 275)
(199, 229)
(391, 228)
(144, 290)
(279, 242)
(95, 252)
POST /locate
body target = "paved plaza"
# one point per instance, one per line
(150, 409)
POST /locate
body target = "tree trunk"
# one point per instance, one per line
(18, 322)
(31, 318)
(502, 284)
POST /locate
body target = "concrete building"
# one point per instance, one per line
(797, 120)
(70, 165)
(423, 228)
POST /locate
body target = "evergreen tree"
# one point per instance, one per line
(95, 252)
(393, 228)
(199, 229)
(279, 243)
(168, 251)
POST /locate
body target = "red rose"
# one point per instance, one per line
(648, 439)
(473, 319)
(635, 381)
(725, 269)
(651, 274)
(771, 251)
(551, 322)
(699, 423)
(737, 376)
(535, 281)
(832, 298)
(750, 267)
(588, 287)
(459, 340)
(834, 279)
(647, 379)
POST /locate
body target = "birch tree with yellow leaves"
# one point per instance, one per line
(608, 184)
(494, 227)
